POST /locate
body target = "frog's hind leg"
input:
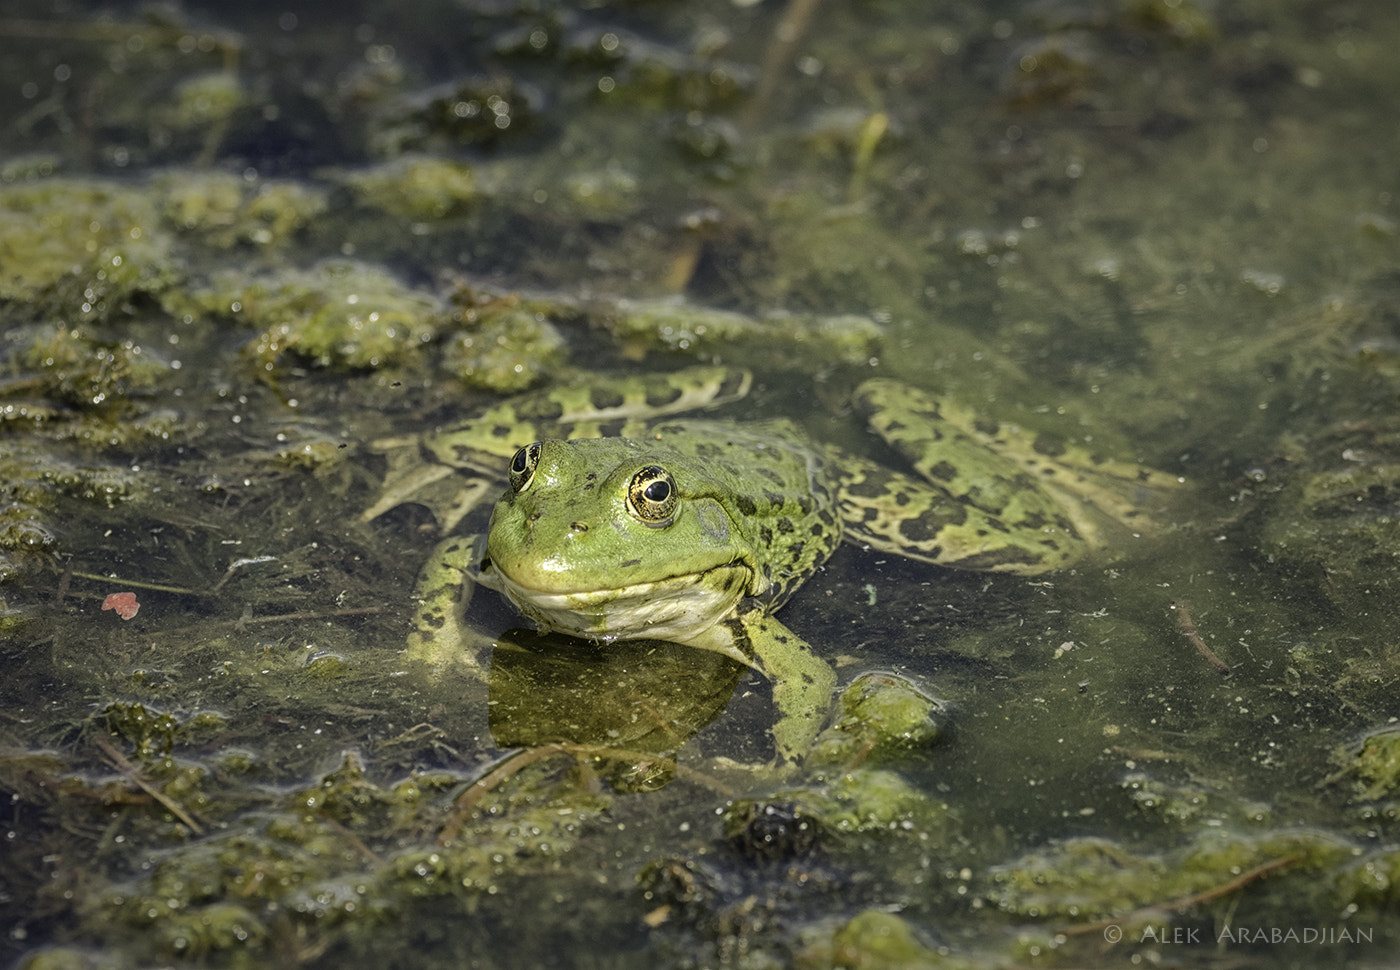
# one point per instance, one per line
(937, 437)
(899, 514)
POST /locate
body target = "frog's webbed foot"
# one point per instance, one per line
(803, 683)
(440, 637)
(440, 488)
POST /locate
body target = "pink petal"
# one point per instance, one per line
(124, 603)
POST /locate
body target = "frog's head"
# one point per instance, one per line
(611, 538)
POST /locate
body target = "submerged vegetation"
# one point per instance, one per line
(238, 248)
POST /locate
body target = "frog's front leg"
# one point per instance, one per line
(445, 586)
(803, 683)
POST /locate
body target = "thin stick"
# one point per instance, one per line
(128, 769)
(474, 792)
(64, 582)
(308, 615)
(157, 587)
(1183, 619)
(777, 59)
(353, 839)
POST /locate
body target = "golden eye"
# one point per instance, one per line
(522, 467)
(652, 497)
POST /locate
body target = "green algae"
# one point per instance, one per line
(1089, 879)
(81, 246)
(423, 188)
(473, 110)
(503, 348)
(778, 339)
(1374, 766)
(879, 717)
(876, 940)
(37, 482)
(221, 210)
(338, 314)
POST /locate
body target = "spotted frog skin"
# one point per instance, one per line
(620, 522)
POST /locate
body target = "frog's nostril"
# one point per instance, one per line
(579, 526)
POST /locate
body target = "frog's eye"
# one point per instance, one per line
(522, 467)
(651, 496)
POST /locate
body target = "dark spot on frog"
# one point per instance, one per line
(784, 525)
(590, 480)
(1048, 445)
(942, 472)
(546, 410)
(604, 399)
(1033, 520)
(920, 530)
(657, 399)
(874, 485)
(628, 564)
(501, 431)
(746, 505)
(774, 499)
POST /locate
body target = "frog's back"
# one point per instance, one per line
(777, 489)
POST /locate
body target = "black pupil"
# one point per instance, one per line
(657, 491)
(521, 460)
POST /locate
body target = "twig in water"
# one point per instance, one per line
(473, 793)
(777, 59)
(307, 615)
(157, 587)
(1183, 619)
(64, 581)
(128, 769)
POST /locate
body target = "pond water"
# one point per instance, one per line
(253, 264)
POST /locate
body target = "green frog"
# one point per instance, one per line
(622, 522)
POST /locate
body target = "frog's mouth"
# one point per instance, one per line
(675, 608)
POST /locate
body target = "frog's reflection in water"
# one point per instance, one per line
(639, 700)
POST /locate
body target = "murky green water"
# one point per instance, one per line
(238, 248)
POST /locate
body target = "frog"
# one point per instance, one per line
(624, 518)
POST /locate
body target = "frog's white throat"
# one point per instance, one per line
(677, 608)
